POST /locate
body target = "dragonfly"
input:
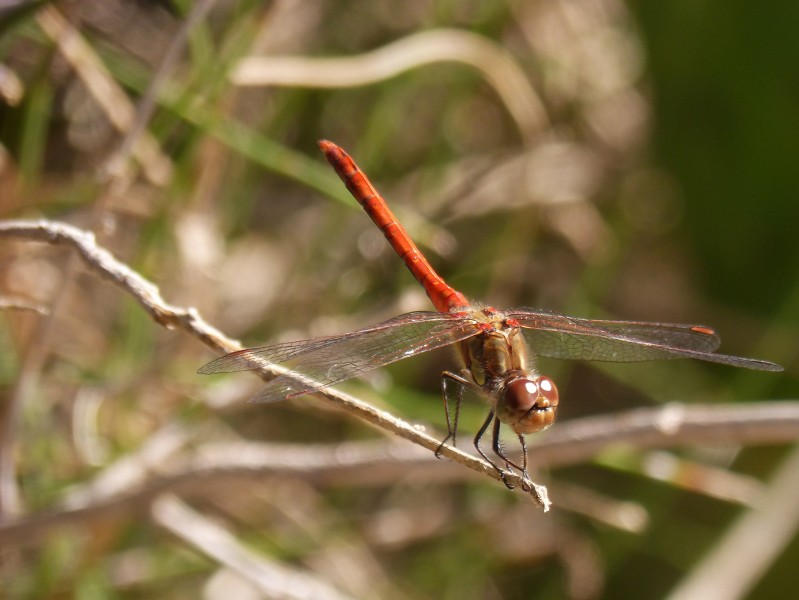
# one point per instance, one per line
(497, 349)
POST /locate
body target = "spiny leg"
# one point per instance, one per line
(523, 444)
(478, 437)
(452, 423)
(525, 475)
(497, 447)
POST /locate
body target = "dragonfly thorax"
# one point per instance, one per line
(496, 351)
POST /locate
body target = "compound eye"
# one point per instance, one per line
(548, 391)
(521, 394)
(528, 405)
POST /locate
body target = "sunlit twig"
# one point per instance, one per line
(10, 303)
(104, 89)
(149, 297)
(271, 578)
(751, 546)
(441, 45)
(378, 463)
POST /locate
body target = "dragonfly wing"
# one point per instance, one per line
(559, 336)
(689, 337)
(320, 362)
(251, 359)
(333, 363)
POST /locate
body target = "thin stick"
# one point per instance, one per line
(188, 319)
(273, 579)
(382, 463)
(495, 64)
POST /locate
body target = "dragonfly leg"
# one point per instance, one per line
(502, 473)
(496, 446)
(460, 384)
(499, 451)
(525, 474)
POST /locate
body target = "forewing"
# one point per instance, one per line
(254, 358)
(321, 362)
(561, 336)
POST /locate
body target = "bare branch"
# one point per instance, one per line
(105, 90)
(383, 463)
(149, 297)
(271, 578)
(494, 63)
(570, 443)
(146, 106)
(103, 262)
(731, 569)
(10, 303)
(675, 424)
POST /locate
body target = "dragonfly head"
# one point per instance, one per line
(528, 404)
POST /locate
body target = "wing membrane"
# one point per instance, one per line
(325, 361)
(251, 359)
(559, 336)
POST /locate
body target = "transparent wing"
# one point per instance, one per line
(320, 362)
(559, 336)
(250, 359)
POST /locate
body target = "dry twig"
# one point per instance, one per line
(570, 443)
(269, 577)
(149, 297)
(382, 463)
(115, 104)
(494, 63)
(751, 546)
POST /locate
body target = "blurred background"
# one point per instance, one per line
(602, 158)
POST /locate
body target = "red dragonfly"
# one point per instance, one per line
(497, 348)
